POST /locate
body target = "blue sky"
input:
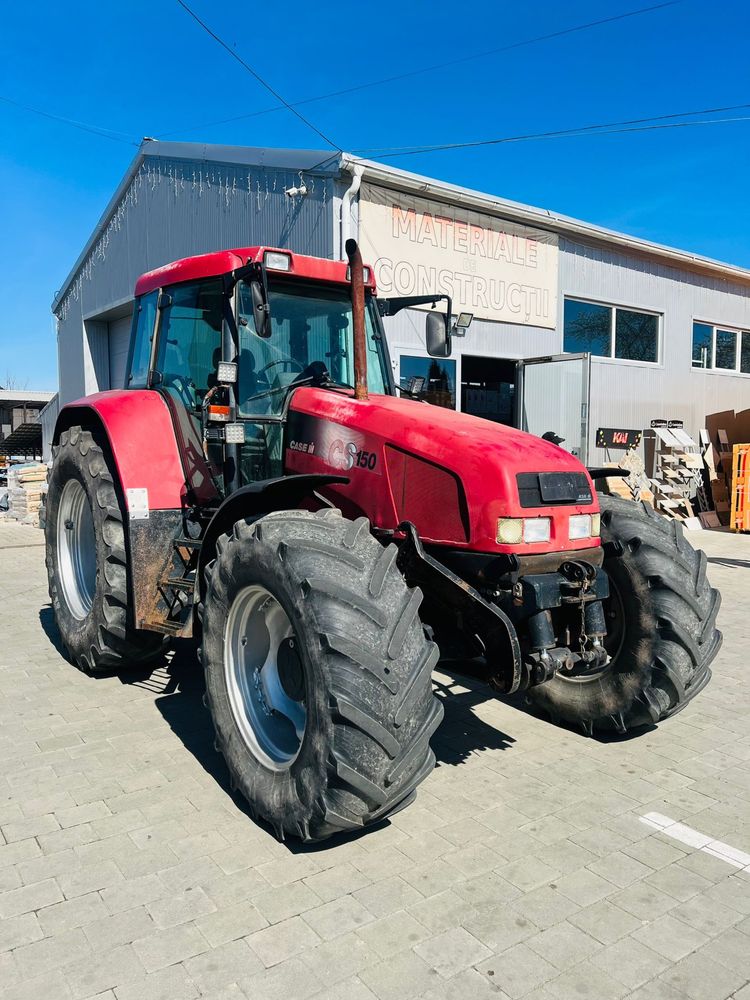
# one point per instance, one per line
(145, 68)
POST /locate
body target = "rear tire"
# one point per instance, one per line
(661, 618)
(365, 710)
(87, 562)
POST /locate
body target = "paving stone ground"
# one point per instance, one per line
(128, 872)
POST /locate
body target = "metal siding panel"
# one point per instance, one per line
(177, 208)
(119, 342)
(70, 367)
(631, 395)
(48, 418)
(484, 338)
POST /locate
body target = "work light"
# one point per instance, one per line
(234, 434)
(277, 261)
(226, 372)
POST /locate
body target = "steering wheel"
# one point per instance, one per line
(280, 361)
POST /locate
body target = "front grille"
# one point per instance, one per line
(552, 489)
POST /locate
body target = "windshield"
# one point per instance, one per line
(309, 324)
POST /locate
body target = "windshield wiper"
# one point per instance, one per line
(331, 383)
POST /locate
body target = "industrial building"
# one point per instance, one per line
(20, 422)
(575, 328)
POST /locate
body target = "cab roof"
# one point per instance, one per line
(209, 265)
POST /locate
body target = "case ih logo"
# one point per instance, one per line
(345, 455)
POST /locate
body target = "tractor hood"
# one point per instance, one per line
(451, 474)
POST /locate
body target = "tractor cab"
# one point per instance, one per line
(227, 336)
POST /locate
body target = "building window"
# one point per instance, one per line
(702, 345)
(588, 327)
(610, 332)
(745, 353)
(721, 348)
(636, 336)
(726, 350)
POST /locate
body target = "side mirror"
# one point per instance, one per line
(260, 310)
(438, 335)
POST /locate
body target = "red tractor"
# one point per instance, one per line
(259, 484)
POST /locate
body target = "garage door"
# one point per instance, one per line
(119, 341)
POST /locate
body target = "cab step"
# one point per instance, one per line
(187, 543)
(164, 626)
(181, 583)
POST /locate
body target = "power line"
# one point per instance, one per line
(424, 69)
(257, 76)
(605, 128)
(104, 133)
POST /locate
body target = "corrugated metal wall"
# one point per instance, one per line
(176, 208)
(628, 394)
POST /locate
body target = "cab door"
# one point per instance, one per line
(188, 350)
(552, 394)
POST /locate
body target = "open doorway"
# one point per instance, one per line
(488, 387)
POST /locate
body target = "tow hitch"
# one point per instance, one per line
(576, 584)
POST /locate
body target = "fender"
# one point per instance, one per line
(259, 498)
(141, 436)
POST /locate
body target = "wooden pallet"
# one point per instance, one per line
(739, 516)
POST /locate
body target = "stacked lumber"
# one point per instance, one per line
(26, 484)
(678, 475)
(634, 486)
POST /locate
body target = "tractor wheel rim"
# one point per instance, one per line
(271, 723)
(76, 547)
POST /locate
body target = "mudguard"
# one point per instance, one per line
(141, 436)
(262, 497)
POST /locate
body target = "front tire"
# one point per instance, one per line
(86, 560)
(661, 620)
(331, 733)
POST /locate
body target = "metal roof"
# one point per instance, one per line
(331, 163)
(24, 439)
(17, 397)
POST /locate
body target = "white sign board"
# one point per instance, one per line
(494, 269)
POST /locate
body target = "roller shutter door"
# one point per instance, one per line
(119, 341)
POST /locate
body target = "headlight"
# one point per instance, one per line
(537, 529)
(514, 530)
(510, 530)
(583, 525)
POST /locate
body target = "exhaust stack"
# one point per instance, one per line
(358, 314)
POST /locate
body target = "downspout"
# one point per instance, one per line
(345, 223)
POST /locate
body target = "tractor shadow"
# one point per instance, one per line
(729, 563)
(177, 685)
(179, 688)
(47, 621)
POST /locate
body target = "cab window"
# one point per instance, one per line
(310, 325)
(141, 338)
(190, 339)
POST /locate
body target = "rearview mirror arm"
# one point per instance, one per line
(389, 307)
